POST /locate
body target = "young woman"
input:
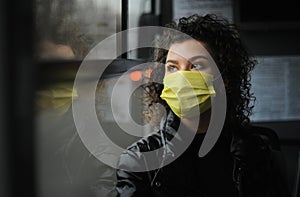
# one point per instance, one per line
(244, 161)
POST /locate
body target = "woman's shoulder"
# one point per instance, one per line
(255, 144)
(148, 143)
(135, 157)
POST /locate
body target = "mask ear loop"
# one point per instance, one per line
(217, 78)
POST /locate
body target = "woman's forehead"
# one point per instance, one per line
(188, 49)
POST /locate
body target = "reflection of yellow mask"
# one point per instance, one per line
(187, 92)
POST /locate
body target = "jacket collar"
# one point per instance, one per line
(170, 125)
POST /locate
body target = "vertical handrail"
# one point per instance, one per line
(297, 181)
(124, 26)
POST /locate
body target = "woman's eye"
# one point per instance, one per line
(172, 68)
(197, 66)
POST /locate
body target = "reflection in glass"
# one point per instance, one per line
(70, 28)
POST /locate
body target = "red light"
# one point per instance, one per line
(136, 75)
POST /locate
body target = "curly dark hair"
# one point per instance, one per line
(223, 42)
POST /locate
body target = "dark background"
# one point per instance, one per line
(267, 28)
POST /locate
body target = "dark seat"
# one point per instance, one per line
(271, 137)
(268, 134)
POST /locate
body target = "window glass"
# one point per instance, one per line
(70, 28)
(275, 83)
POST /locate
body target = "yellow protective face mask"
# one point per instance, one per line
(187, 92)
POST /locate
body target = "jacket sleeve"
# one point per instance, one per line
(129, 181)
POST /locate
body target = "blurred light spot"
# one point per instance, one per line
(136, 75)
(148, 72)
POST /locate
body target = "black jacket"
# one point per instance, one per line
(249, 166)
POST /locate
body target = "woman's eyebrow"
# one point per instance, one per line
(198, 57)
(190, 59)
(172, 61)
